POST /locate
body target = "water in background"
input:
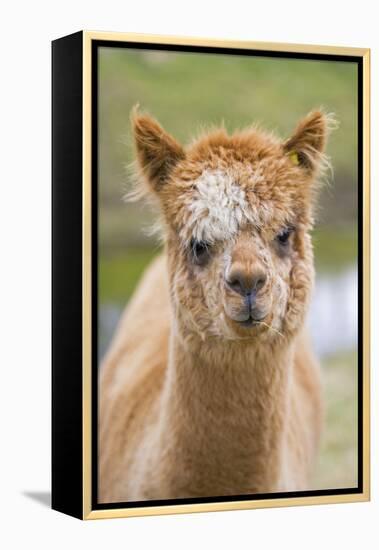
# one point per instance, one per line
(332, 320)
(333, 315)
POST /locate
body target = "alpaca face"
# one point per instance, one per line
(236, 214)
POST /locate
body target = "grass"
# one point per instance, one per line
(119, 275)
(335, 247)
(338, 461)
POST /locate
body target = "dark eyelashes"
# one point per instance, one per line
(283, 237)
(200, 252)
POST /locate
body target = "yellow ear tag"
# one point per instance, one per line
(294, 158)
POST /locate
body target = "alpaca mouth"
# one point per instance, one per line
(249, 322)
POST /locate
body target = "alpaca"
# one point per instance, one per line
(210, 386)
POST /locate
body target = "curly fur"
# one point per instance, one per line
(193, 402)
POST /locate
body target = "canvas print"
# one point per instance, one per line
(227, 264)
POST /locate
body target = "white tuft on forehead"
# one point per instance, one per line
(218, 207)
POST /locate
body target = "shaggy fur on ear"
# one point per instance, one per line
(309, 139)
(157, 151)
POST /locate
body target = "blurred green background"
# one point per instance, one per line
(187, 92)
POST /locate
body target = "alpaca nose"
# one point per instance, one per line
(246, 284)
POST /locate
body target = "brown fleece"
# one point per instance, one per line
(203, 392)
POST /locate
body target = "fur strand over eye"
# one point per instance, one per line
(200, 252)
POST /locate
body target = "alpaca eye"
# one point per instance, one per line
(200, 252)
(284, 235)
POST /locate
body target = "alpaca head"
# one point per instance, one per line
(236, 211)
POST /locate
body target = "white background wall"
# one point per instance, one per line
(27, 28)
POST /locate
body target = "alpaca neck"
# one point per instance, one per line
(224, 411)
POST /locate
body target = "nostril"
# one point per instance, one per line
(236, 284)
(260, 281)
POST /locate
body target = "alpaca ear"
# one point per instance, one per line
(157, 151)
(307, 144)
